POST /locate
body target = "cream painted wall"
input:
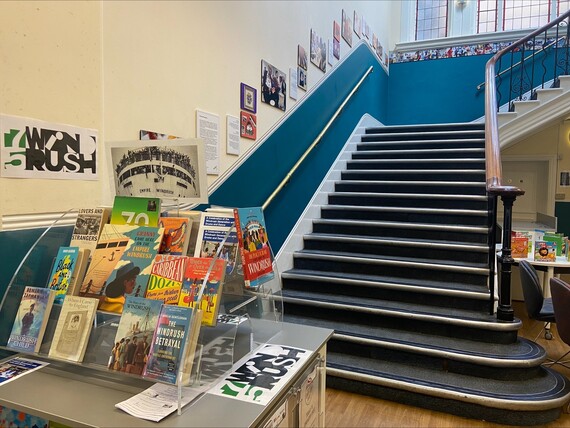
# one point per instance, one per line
(122, 66)
(50, 69)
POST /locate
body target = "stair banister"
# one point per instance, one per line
(316, 141)
(494, 179)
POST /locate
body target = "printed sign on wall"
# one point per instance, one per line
(31, 148)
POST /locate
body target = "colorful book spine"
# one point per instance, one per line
(62, 271)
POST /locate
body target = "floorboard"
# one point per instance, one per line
(345, 409)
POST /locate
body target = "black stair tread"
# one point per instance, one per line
(524, 352)
(444, 196)
(423, 171)
(417, 243)
(395, 224)
(415, 182)
(435, 211)
(548, 386)
(435, 264)
(418, 311)
(435, 286)
(363, 148)
(418, 160)
(426, 132)
(421, 126)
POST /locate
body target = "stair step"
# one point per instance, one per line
(522, 107)
(431, 200)
(393, 229)
(442, 187)
(547, 94)
(404, 248)
(382, 164)
(406, 214)
(382, 135)
(415, 174)
(369, 142)
(520, 354)
(427, 126)
(505, 117)
(364, 151)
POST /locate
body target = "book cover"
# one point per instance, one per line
(176, 235)
(8, 310)
(166, 276)
(62, 271)
(254, 246)
(131, 270)
(135, 211)
(79, 271)
(545, 251)
(73, 328)
(196, 270)
(88, 227)
(31, 319)
(134, 333)
(519, 247)
(173, 344)
(558, 239)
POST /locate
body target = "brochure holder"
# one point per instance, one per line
(247, 319)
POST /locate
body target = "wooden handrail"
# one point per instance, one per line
(316, 140)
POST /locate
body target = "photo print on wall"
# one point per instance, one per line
(318, 51)
(248, 127)
(336, 31)
(357, 27)
(346, 28)
(301, 78)
(273, 86)
(301, 57)
(248, 98)
(336, 49)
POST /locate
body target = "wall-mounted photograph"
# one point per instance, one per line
(301, 57)
(336, 49)
(356, 27)
(248, 125)
(336, 31)
(273, 86)
(318, 51)
(346, 28)
(167, 169)
(248, 98)
(301, 78)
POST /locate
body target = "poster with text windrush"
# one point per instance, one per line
(31, 148)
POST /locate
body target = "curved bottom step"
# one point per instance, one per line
(523, 413)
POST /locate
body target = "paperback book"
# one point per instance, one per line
(254, 246)
(519, 247)
(173, 345)
(129, 271)
(545, 251)
(166, 276)
(135, 211)
(197, 268)
(62, 271)
(176, 235)
(73, 328)
(31, 319)
(88, 227)
(134, 333)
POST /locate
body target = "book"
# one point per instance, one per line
(129, 271)
(545, 251)
(88, 227)
(79, 271)
(173, 344)
(135, 211)
(196, 270)
(254, 246)
(73, 328)
(31, 319)
(166, 276)
(62, 272)
(176, 235)
(134, 333)
(557, 238)
(519, 247)
(8, 311)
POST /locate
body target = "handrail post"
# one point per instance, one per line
(505, 310)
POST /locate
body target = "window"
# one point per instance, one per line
(487, 16)
(523, 14)
(431, 19)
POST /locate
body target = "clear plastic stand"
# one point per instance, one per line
(247, 318)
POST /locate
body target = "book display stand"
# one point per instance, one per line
(247, 318)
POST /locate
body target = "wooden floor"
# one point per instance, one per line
(352, 410)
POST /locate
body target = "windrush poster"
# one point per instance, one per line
(31, 148)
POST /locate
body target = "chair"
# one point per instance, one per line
(537, 307)
(561, 302)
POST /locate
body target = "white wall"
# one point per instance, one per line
(122, 66)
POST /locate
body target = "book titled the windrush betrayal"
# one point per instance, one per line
(197, 268)
(173, 344)
(62, 271)
(31, 319)
(73, 328)
(135, 210)
(166, 276)
(254, 246)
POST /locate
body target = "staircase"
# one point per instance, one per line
(397, 265)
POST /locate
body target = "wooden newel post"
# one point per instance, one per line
(505, 310)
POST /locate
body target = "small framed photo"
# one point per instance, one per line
(301, 57)
(302, 78)
(336, 31)
(248, 99)
(248, 128)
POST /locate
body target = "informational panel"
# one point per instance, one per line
(208, 129)
(232, 130)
